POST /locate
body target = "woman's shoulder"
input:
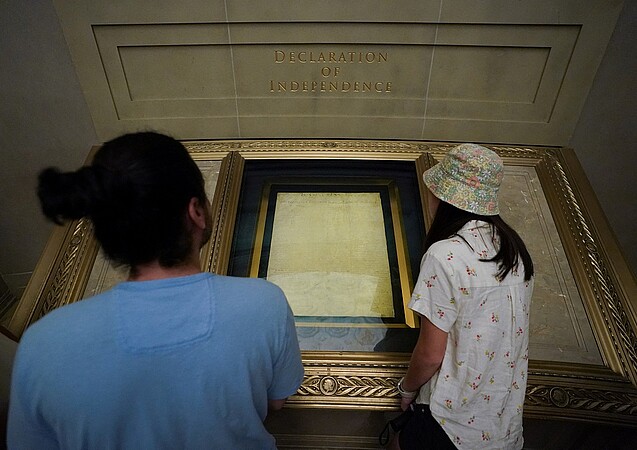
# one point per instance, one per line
(444, 246)
(446, 254)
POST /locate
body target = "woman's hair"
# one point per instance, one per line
(136, 192)
(449, 220)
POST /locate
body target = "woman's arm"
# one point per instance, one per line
(425, 359)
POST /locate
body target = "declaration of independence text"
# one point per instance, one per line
(331, 76)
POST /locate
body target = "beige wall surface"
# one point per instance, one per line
(605, 138)
(44, 120)
(452, 70)
(49, 113)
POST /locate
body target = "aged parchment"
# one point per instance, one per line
(329, 254)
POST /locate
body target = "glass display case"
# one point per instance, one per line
(339, 225)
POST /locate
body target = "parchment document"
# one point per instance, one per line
(329, 254)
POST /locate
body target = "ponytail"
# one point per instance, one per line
(67, 195)
(135, 192)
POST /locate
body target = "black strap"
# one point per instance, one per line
(383, 437)
(395, 425)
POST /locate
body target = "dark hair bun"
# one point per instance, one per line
(136, 193)
(67, 195)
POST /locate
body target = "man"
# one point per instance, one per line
(171, 358)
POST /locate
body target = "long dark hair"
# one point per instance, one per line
(136, 192)
(449, 220)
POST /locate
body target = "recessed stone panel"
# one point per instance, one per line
(317, 126)
(176, 72)
(452, 71)
(161, 71)
(320, 70)
(488, 74)
(334, 10)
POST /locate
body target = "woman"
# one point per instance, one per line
(467, 375)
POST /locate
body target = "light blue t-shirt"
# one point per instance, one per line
(179, 363)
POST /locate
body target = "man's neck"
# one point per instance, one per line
(191, 265)
(153, 271)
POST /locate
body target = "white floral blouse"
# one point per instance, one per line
(478, 393)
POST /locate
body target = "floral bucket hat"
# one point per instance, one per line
(468, 178)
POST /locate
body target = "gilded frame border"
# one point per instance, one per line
(600, 393)
(397, 226)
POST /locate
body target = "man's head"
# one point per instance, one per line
(137, 192)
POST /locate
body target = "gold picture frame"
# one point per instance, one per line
(598, 382)
(327, 187)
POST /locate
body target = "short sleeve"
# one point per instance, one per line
(288, 367)
(433, 295)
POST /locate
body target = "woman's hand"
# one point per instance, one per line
(405, 402)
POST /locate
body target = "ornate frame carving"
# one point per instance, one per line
(600, 393)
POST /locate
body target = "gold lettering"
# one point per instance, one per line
(305, 56)
(330, 86)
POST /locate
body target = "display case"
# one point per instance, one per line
(339, 225)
